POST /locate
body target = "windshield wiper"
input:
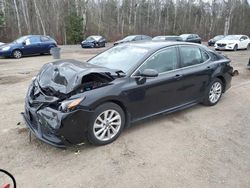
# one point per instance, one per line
(120, 73)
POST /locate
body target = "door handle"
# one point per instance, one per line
(178, 76)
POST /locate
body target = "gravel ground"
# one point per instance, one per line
(197, 147)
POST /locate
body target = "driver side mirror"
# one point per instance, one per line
(146, 73)
(24, 43)
(149, 73)
(241, 39)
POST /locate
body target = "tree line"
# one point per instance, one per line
(69, 21)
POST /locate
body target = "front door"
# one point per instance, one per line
(32, 45)
(154, 95)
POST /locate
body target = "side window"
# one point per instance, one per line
(137, 38)
(192, 56)
(34, 40)
(204, 56)
(45, 39)
(144, 37)
(163, 61)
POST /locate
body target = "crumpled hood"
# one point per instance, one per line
(227, 41)
(64, 76)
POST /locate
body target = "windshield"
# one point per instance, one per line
(89, 39)
(21, 39)
(184, 36)
(128, 38)
(123, 57)
(159, 38)
(218, 37)
(232, 37)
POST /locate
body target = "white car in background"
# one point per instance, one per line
(233, 42)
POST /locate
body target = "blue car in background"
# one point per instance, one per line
(28, 45)
(94, 42)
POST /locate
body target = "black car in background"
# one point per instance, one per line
(168, 38)
(28, 45)
(131, 38)
(191, 38)
(94, 41)
(212, 41)
(70, 102)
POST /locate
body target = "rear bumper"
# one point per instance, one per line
(57, 128)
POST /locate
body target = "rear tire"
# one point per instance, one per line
(17, 54)
(106, 124)
(213, 93)
(50, 50)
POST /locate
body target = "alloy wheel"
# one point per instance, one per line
(17, 54)
(107, 125)
(215, 92)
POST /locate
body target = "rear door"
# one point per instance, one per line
(45, 44)
(196, 72)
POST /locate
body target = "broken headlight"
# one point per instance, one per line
(69, 105)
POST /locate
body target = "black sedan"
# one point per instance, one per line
(212, 41)
(70, 101)
(132, 38)
(191, 38)
(94, 41)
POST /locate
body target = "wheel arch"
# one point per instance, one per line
(16, 49)
(12, 51)
(223, 80)
(122, 106)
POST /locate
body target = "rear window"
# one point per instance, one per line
(44, 39)
(192, 55)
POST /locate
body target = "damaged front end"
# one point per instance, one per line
(53, 110)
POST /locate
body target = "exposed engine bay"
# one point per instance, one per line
(65, 78)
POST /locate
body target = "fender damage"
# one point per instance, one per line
(57, 85)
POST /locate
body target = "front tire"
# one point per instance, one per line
(106, 124)
(17, 54)
(235, 47)
(213, 93)
(248, 46)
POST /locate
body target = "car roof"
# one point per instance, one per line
(96, 37)
(36, 36)
(167, 36)
(237, 35)
(156, 45)
(136, 35)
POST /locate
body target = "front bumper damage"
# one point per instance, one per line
(57, 128)
(46, 112)
(52, 126)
